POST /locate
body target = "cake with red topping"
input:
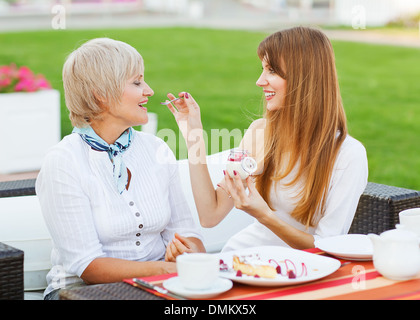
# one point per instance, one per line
(252, 265)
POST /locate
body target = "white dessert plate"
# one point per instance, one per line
(174, 285)
(306, 266)
(348, 246)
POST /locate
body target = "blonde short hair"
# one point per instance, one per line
(95, 73)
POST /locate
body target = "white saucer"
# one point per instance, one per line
(356, 247)
(174, 285)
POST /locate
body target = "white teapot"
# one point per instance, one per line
(396, 254)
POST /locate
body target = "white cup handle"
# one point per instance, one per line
(249, 165)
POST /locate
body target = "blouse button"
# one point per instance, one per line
(137, 243)
(137, 214)
(138, 234)
(131, 203)
(140, 226)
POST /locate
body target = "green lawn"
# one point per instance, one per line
(379, 85)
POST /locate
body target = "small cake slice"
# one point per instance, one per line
(253, 266)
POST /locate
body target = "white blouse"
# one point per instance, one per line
(87, 217)
(348, 181)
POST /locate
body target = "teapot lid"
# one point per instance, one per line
(399, 235)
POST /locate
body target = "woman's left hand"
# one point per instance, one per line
(252, 203)
(180, 245)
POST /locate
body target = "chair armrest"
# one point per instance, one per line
(11, 273)
(17, 188)
(379, 207)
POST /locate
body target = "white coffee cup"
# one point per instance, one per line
(197, 271)
(410, 220)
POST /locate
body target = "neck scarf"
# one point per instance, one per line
(114, 152)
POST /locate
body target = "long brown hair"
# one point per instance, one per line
(307, 131)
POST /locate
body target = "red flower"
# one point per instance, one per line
(23, 79)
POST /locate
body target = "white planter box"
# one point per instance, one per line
(22, 226)
(29, 126)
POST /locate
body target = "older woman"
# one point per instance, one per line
(110, 195)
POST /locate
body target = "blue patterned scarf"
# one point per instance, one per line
(114, 152)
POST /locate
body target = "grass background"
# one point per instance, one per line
(379, 84)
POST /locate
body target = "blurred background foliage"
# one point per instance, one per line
(379, 85)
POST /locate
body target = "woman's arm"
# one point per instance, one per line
(104, 270)
(212, 205)
(181, 220)
(255, 205)
(293, 237)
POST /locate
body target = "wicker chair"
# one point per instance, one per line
(11, 259)
(11, 273)
(17, 188)
(379, 207)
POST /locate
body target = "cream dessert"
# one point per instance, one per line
(252, 265)
(240, 161)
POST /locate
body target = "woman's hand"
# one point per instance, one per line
(187, 115)
(180, 245)
(256, 206)
(252, 203)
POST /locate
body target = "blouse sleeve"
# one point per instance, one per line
(181, 220)
(67, 212)
(347, 184)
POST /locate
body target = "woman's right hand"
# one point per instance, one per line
(187, 116)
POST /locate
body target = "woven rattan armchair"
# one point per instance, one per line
(11, 273)
(11, 259)
(379, 207)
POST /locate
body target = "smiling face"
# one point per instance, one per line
(129, 112)
(273, 85)
(132, 110)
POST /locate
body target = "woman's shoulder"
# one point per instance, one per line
(257, 124)
(68, 145)
(154, 146)
(253, 140)
(147, 139)
(352, 145)
(351, 151)
(66, 155)
(254, 131)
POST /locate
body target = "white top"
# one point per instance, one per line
(348, 181)
(87, 217)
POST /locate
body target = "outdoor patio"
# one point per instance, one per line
(367, 59)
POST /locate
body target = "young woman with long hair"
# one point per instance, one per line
(311, 172)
